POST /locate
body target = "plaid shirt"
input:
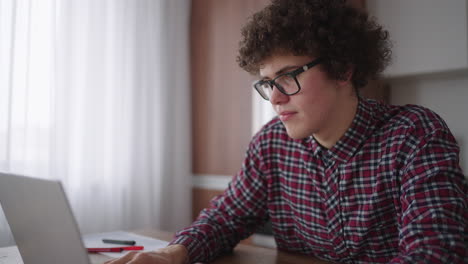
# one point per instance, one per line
(389, 191)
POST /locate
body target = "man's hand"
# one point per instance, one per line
(174, 254)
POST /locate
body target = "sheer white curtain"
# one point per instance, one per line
(262, 112)
(96, 94)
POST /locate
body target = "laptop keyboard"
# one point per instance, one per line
(11, 255)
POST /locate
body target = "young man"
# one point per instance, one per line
(340, 177)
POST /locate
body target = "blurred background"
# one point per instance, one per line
(140, 109)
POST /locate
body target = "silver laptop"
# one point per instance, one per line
(41, 221)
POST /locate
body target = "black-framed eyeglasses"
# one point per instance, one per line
(286, 83)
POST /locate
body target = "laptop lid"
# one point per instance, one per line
(41, 220)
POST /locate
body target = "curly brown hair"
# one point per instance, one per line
(341, 35)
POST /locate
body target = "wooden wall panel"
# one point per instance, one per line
(221, 91)
(376, 89)
(360, 4)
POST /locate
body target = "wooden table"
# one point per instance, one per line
(242, 254)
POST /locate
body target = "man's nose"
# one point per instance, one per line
(277, 97)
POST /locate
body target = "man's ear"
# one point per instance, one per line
(349, 73)
(347, 76)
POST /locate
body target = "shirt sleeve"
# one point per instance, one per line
(233, 216)
(434, 202)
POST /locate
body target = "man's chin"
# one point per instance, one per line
(295, 134)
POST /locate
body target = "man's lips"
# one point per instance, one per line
(286, 115)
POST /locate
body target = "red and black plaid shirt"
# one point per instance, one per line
(389, 191)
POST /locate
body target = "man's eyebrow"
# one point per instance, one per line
(281, 71)
(286, 69)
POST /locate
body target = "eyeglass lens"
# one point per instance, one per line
(286, 84)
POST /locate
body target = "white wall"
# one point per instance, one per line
(428, 35)
(430, 66)
(446, 94)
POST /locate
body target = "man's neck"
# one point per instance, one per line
(341, 120)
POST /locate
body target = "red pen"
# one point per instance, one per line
(114, 249)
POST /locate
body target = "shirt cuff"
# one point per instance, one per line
(193, 247)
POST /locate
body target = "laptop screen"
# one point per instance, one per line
(41, 220)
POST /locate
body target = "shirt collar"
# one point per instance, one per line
(361, 128)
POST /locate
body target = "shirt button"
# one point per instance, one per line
(327, 162)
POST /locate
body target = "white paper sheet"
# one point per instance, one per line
(95, 240)
(10, 255)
